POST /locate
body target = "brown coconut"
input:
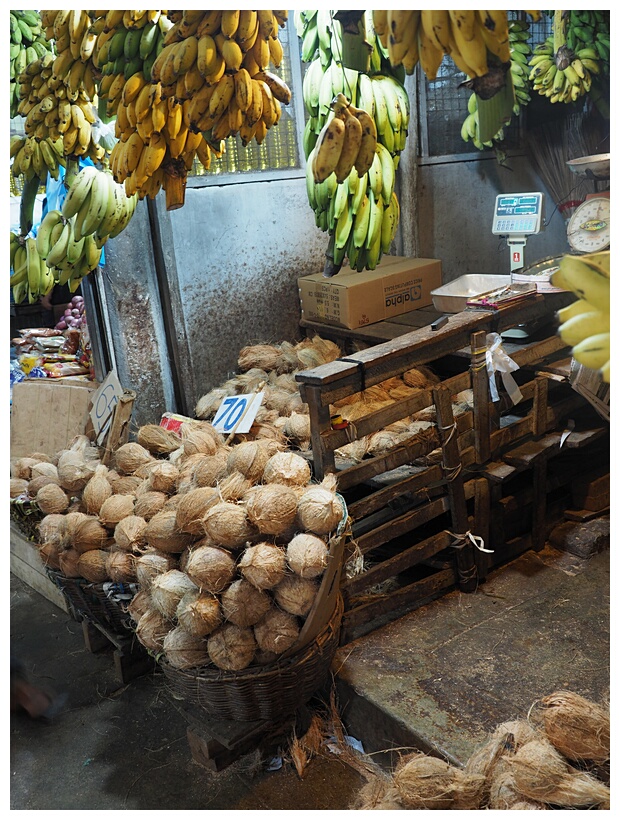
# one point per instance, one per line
(163, 477)
(233, 487)
(250, 457)
(69, 563)
(199, 613)
(138, 605)
(427, 782)
(72, 519)
(263, 565)
(320, 510)
(578, 728)
(210, 568)
(19, 486)
(286, 467)
(115, 508)
(130, 456)
(231, 647)
(211, 468)
(121, 566)
(44, 468)
(149, 503)
(307, 555)
(193, 506)
(297, 427)
(184, 650)
(228, 525)
(197, 439)
(22, 467)
(503, 795)
(77, 464)
(126, 485)
(52, 499)
(50, 554)
(151, 564)
(129, 534)
(167, 589)
(157, 439)
(90, 534)
(163, 534)
(207, 405)
(151, 630)
(277, 631)
(34, 485)
(244, 604)
(296, 595)
(264, 357)
(172, 503)
(541, 773)
(92, 565)
(52, 529)
(272, 508)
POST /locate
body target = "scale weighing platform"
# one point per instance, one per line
(516, 217)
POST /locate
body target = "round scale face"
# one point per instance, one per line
(588, 228)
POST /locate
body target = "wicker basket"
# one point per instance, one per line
(92, 602)
(27, 515)
(269, 692)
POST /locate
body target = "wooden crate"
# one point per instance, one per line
(412, 519)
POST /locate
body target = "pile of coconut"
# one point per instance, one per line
(227, 543)
(284, 416)
(551, 760)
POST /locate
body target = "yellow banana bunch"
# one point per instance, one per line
(585, 324)
(31, 278)
(40, 157)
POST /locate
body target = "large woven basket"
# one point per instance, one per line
(270, 692)
(103, 604)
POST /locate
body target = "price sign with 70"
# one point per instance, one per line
(237, 413)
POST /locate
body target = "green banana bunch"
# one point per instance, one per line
(31, 277)
(590, 30)
(585, 324)
(560, 72)
(28, 43)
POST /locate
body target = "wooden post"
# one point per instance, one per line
(482, 519)
(539, 507)
(539, 409)
(480, 387)
(452, 464)
(320, 422)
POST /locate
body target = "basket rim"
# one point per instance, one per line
(254, 674)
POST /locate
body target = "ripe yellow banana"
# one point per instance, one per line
(351, 145)
(328, 148)
(593, 352)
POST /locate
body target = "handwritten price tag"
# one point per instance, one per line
(104, 402)
(237, 413)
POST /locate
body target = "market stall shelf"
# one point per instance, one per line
(432, 512)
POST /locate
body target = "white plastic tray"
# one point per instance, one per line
(452, 297)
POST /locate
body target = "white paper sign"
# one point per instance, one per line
(104, 401)
(237, 413)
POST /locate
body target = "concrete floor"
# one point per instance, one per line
(439, 679)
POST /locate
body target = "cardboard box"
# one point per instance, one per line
(47, 414)
(351, 299)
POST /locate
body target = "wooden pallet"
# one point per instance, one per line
(413, 522)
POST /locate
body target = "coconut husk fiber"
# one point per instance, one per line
(578, 728)
(541, 773)
(157, 439)
(378, 794)
(426, 782)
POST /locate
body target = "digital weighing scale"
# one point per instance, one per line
(517, 216)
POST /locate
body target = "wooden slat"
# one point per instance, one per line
(482, 524)
(405, 559)
(408, 597)
(480, 387)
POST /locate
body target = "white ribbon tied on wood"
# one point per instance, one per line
(498, 361)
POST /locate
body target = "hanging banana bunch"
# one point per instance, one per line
(126, 48)
(32, 156)
(56, 94)
(30, 278)
(585, 324)
(426, 37)
(28, 44)
(356, 130)
(559, 73)
(520, 51)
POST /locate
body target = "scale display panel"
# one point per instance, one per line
(518, 214)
